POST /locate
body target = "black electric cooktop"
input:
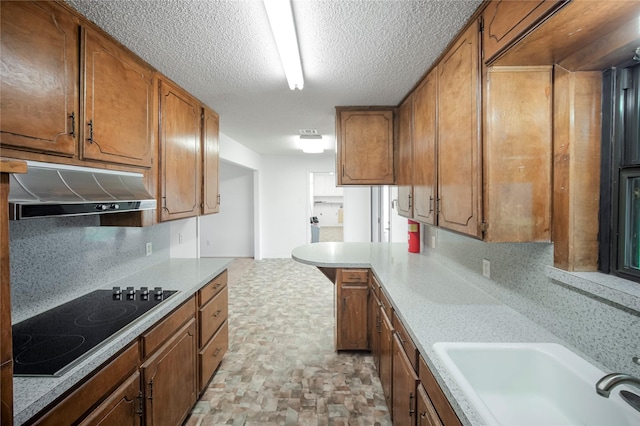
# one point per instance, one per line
(53, 341)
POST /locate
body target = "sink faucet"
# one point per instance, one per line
(610, 381)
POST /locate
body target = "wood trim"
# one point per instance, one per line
(437, 397)
(576, 181)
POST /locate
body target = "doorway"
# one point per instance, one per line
(327, 208)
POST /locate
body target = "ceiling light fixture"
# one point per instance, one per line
(284, 32)
(312, 144)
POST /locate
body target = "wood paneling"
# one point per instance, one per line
(458, 136)
(39, 78)
(506, 21)
(424, 149)
(517, 154)
(576, 181)
(577, 25)
(437, 397)
(365, 146)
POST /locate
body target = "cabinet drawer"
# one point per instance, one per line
(215, 285)
(384, 301)
(406, 341)
(354, 275)
(212, 315)
(152, 339)
(210, 356)
(437, 397)
(94, 390)
(374, 286)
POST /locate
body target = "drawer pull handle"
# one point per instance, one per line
(215, 354)
(73, 125)
(411, 410)
(90, 124)
(216, 313)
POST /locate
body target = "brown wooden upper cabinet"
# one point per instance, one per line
(210, 165)
(118, 103)
(39, 81)
(505, 22)
(458, 135)
(179, 168)
(404, 160)
(424, 149)
(365, 145)
(42, 61)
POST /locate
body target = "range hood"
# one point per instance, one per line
(48, 190)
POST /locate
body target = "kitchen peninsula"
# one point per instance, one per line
(434, 304)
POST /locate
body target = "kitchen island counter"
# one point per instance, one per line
(32, 394)
(434, 303)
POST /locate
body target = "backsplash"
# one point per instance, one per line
(54, 260)
(606, 332)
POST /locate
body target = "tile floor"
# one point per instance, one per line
(281, 367)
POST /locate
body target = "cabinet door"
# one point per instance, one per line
(118, 104)
(351, 318)
(179, 153)
(424, 149)
(404, 159)
(374, 327)
(386, 358)
(122, 407)
(427, 415)
(405, 383)
(170, 380)
(365, 147)
(505, 21)
(210, 162)
(458, 136)
(517, 153)
(39, 77)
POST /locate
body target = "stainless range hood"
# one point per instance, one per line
(59, 190)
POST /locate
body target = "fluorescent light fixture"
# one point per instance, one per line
(284, 32)
(312, 144)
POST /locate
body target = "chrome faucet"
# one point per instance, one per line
(608, 382)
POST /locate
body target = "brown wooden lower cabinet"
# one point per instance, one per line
(352, 290)
(405, 383)
(210, 357)
(102, 385)
(440, 402)
(426, 412)
(169, 377)
(386, 358)
(122, 408)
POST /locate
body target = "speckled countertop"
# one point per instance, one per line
(435, 304)
(31, 394)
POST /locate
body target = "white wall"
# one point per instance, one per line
(230, 233)
(183, 238)
(399, 227)
(284, 201)
(357, 214)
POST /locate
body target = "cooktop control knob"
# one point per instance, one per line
(144, 293)
(117, 293)
(114, 206)
(157, 291)
(131, 293)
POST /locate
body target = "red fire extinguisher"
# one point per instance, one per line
(414, 237)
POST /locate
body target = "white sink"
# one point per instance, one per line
(532, 384)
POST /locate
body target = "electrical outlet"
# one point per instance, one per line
(486, 268)
(180, 238)
(148, 249)
(433, 241)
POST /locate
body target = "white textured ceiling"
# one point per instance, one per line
(353, 53)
